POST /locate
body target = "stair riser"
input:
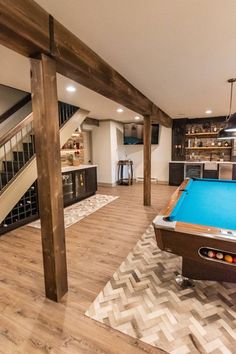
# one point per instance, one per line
(28, 147)
(12, 166)
(22, 155)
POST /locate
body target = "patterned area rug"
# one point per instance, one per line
(143, 300)
(80, 210)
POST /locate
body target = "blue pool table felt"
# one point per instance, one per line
(207, 202)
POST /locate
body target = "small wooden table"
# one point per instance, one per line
(122, 166)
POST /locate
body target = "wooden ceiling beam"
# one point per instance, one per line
(29, 30)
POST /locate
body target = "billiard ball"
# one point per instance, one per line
(234, 260)
(219, 255)
(228, 258)
(211, 254)
(204, 252)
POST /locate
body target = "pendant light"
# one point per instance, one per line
(229, 132)
(225, 135)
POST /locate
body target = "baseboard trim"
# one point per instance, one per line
(102, 184)
(153, 180)
(139, 180)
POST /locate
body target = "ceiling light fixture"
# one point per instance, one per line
(208, 111)
(230, 128)
(137, 118)
(120, 110)
(71, 89)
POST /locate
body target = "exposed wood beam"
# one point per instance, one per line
(29, 30)
(46, 128)
(158, 116)
(147, 160)
(91, 121)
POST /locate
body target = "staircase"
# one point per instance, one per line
(18, 168)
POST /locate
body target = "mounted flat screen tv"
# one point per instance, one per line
(133, 134)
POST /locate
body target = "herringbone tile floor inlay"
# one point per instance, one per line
(143, 300)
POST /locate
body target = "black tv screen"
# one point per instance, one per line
(133, 134)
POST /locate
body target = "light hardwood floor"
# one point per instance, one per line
(96, 246)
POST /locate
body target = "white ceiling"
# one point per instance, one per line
(9, 97)
(15, 72)
(179, 53)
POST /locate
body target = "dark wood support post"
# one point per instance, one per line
(147, 161)
(47, 142)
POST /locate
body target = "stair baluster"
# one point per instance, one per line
(16, 150)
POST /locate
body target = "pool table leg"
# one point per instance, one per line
(184, 282)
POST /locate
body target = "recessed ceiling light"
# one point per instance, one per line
(71, 89)
(208, 111)
(120, 110)
(137, 118)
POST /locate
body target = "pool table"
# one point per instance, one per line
(199, 224)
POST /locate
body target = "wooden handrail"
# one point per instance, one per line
(6, 137)
(22, 102)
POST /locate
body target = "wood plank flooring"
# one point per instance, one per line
(96, 246)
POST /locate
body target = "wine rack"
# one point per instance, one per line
(25, 209)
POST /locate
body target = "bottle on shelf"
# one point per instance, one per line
(200, 144)
(222, 156)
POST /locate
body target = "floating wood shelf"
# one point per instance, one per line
(69, 150)
(203, 134)
(209, 148)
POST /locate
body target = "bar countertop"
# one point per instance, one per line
(203, 162)
(75, 168)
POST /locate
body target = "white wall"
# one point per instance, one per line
(8, 97)
(161, 155)
(102, 151)
(108, 148)
(87, 146)
(15, 118)
(116, 142)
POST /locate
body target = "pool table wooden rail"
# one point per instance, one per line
(174, 198)
(183, 227)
